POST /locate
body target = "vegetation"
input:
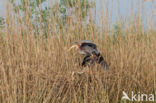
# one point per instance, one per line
(35, 69)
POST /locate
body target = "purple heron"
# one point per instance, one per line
(92, 55)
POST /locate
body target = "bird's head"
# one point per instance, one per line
(75, 45)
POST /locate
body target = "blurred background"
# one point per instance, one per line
(117, 10)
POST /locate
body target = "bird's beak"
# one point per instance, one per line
(73, 46)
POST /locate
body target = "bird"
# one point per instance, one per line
(92, 55)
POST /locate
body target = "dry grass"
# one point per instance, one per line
(38, 70)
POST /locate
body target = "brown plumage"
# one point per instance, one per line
(92, 55)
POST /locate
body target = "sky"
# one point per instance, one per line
(125, 6)
(148, 9)
(2, 8)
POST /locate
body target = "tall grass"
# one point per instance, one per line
(38, 70)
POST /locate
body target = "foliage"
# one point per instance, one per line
(64, 11)
(69, 7)
(2, 23)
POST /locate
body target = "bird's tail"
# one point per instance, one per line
(103, 63)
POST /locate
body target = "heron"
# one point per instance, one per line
(92, 55)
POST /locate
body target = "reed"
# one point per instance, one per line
(35, 69)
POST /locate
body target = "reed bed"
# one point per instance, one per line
(35, 69)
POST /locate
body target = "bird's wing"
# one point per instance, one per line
(85, 60)
(92, 45)
(90, 49)
(103, 63)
